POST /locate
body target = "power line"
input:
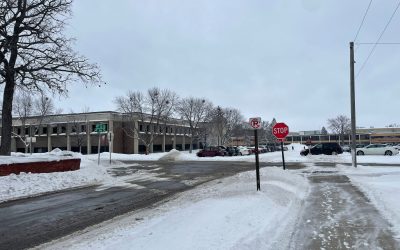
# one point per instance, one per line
(379, 38)
(362, 22)
(377, 43)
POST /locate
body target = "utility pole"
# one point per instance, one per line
(353, 107)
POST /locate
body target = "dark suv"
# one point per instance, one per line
(329, 148)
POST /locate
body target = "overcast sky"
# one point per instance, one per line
(287, 59)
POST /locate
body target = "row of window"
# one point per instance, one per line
(160, 129)
(325, 137)
(59, 129)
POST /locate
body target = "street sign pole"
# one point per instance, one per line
(257, 160)
(280, 131)
(109, 143)
(256, 124)
(283, 156)
(98, 150)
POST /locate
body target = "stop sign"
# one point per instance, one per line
(280, 130)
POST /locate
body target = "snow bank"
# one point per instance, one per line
(223, 214)
(27, 184)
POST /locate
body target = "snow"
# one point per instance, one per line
(223, 214)
(382, 186)
(226, 213)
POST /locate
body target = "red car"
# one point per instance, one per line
(211, 151)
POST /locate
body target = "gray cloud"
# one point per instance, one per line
(282, 59)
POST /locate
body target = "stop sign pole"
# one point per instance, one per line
(281, 130)
(255, 123)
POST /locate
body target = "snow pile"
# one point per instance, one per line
(381, 185)
(224, 214)
(172, 155)
(27, 184)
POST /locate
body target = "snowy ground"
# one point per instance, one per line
(228, 213)
(223, 214)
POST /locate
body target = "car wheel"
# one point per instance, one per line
(388, 152)
(240, 154)
(360, 153)
(334, 153)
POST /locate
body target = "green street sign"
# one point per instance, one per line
(100, 127)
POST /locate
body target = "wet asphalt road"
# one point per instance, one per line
(29, 222)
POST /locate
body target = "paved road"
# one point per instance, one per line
(30, 222)
(337, 215)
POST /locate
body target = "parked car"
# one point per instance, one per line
(329, 148)
(377, 149)
(397, 147)
(211, 151)
(252, 150)
(223, 148)
(346, 148)
(243, 150)
(232, 151)
(262, 149)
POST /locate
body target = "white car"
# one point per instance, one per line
(377, 149)
(243, 150)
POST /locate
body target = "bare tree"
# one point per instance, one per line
(340, 126)
(44, 106)
(195, 111)
(35, 109)
(23, 108)
(35, 55)
(148, 110)
(224, 122)
(77, 120)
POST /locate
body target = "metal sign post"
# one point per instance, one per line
(100, 128)
(98, 149)
(283, 156)
(256, 124)
(110, 137)
(257, 160)
(281, 130)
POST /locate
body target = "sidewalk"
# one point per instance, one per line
(337, 215)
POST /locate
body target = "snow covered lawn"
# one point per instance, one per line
(224, 214)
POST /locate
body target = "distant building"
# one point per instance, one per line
(76, 132)
(363, 136)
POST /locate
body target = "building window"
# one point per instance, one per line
(44, 130)
(54, 130)
(37, 130)
(18, 131)
(83, 128)
(140, 127)
(63, 129)
(27, 131)
(147, 128)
